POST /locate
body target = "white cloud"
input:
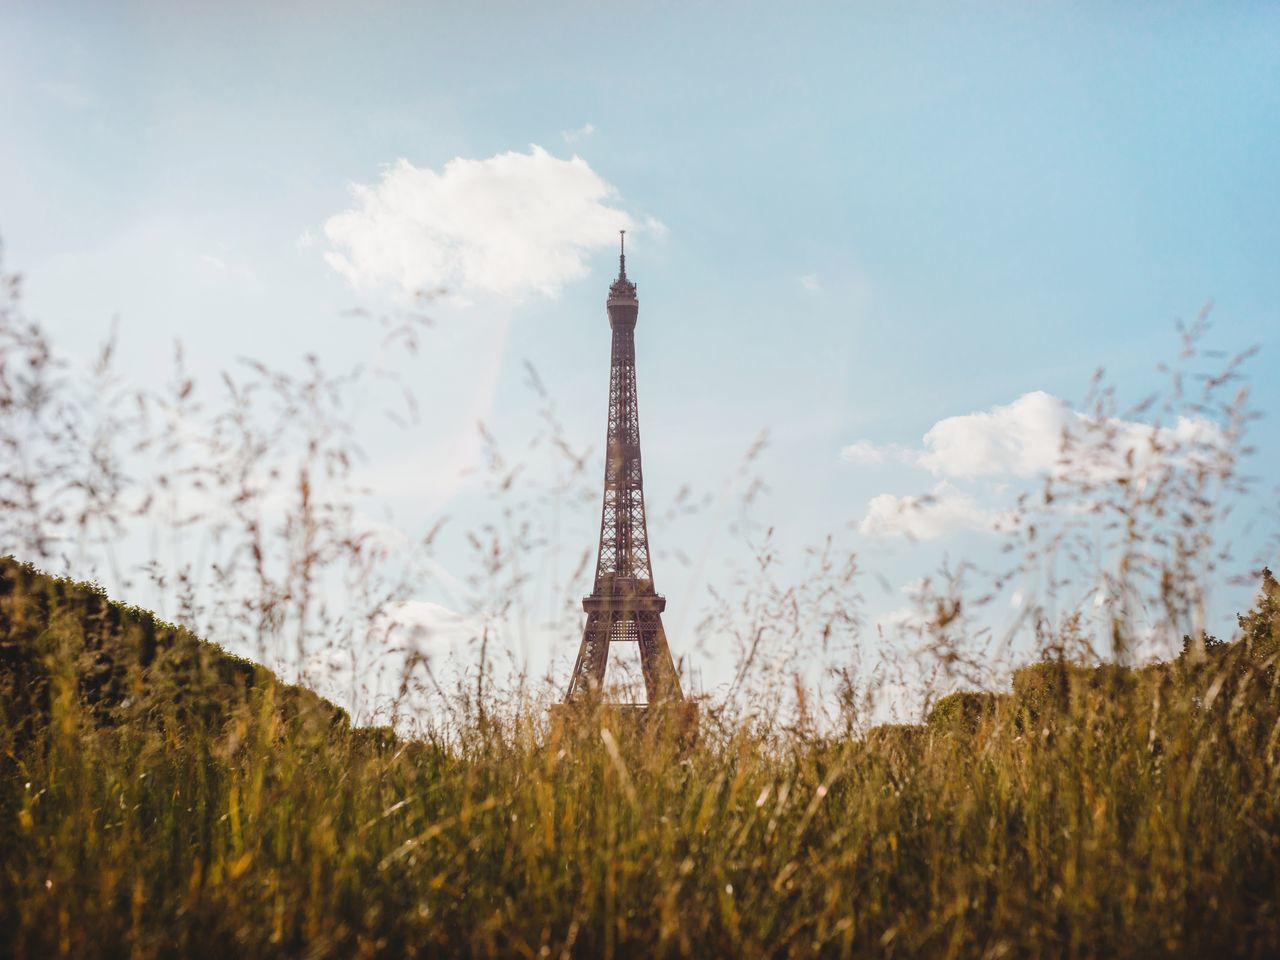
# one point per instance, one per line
(432, 621)
(945, 510)
(900, 620)
(873, 454)
(1039, 434)
(224, 266)
(1025, 439)
(1036, 435)
(810, 282)
(654, 227)
(573, 136)
(413, 646)
(507, 226)
(864, 452)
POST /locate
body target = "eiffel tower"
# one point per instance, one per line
(623, 607)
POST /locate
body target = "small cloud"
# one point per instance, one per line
(810, 282)
(873, 454)
(228, 266)
(903, 619)
(655, 227)
(864, 452)
(575, 136)
(306, 239)
(426, 620)
(943, 511)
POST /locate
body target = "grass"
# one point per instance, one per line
(159, 798)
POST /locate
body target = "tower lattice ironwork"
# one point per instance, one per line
(624, 607)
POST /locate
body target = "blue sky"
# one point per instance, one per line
(848, 224)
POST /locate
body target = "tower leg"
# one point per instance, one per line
(593, 655)
(660, 678)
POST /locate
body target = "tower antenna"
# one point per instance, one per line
(622, 253)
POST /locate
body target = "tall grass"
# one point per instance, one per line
(1091, 812)
(159, 798)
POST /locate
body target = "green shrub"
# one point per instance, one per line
(961, 712)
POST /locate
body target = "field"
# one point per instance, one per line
(159, 798)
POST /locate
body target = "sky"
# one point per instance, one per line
(899, 238)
